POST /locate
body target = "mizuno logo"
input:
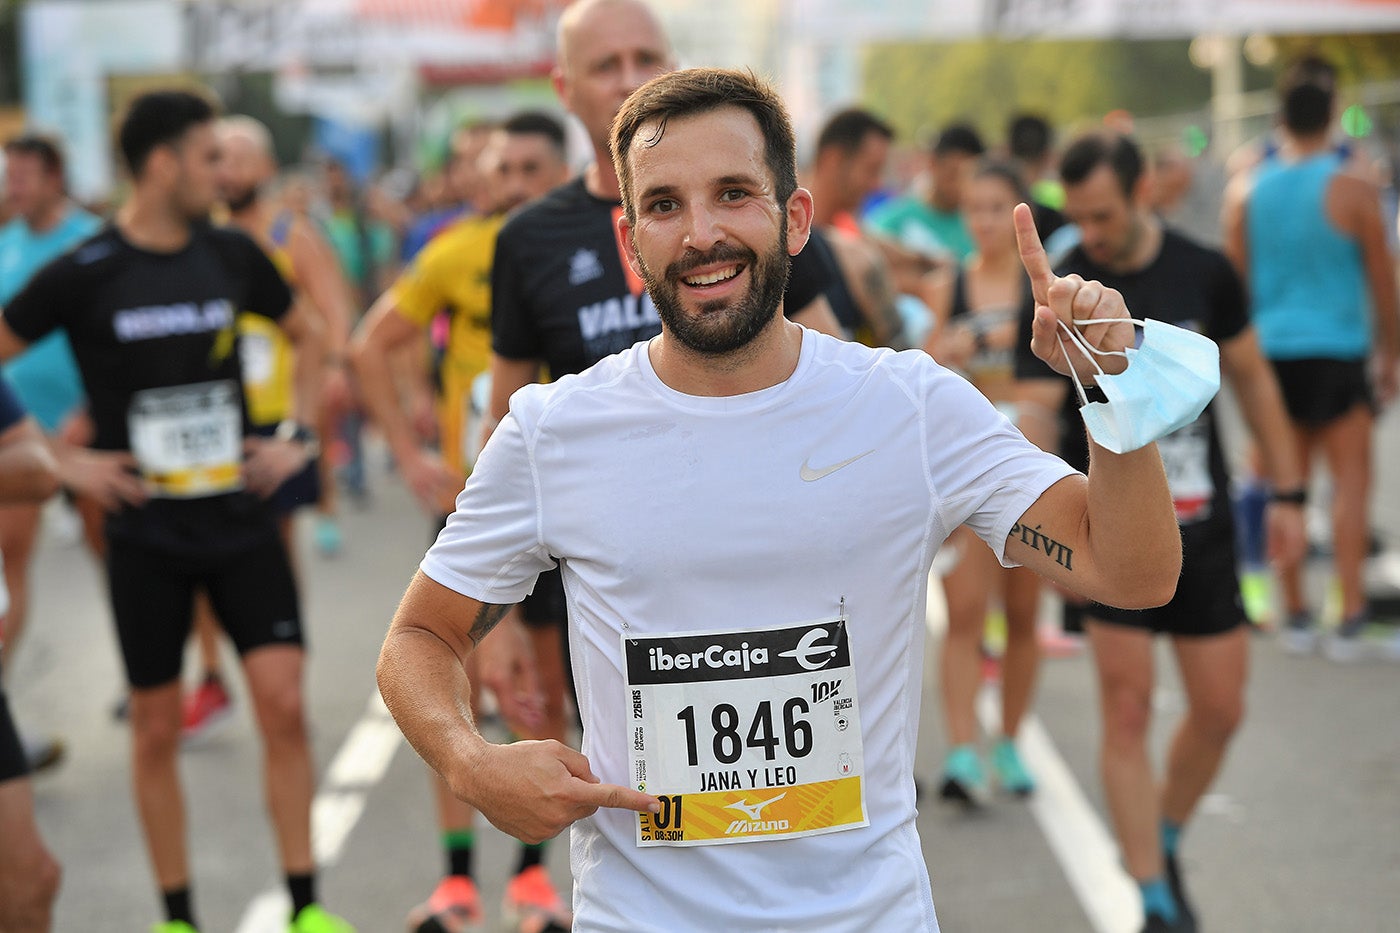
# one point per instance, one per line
(811, 475)
(754, 811)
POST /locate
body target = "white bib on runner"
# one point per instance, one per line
(745, 735)
(188, 440)
(1186, 459)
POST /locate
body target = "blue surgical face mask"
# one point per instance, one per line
(1171, 376)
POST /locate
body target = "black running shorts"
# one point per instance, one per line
(252, 590)
(13, 764)
(1207, 600)
(545, 605)
(1317, 392)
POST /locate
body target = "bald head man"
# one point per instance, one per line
(246, 161)
(606, 50)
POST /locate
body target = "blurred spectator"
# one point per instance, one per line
(850, 161)
(931, 222)
(1030, 143)
(363, 242)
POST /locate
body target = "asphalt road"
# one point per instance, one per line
(1301, 833)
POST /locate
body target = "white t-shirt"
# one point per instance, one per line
(824, 496)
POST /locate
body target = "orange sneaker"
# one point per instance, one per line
(532, 904)
(205, 708)
(453, 907)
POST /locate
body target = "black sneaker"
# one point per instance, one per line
(1186, 918)
(1156, 924)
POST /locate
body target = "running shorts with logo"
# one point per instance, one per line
(155, 339)
(1194, 287)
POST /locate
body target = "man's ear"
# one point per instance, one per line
(799, 220)
(629, 248)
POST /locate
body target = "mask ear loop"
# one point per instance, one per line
(1107, 320)
(1083, 347)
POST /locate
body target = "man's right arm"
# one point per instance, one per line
(531, 790)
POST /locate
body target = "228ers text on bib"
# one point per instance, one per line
(746, 734)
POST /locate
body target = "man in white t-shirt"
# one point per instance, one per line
(745, 512)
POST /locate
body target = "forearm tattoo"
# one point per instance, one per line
(1056, 551)
(485, 621)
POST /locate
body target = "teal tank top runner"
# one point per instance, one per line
(1307, 280)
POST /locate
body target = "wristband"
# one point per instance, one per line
(290, 430)
(1291, 497)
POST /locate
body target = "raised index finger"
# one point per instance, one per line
(1033, 255)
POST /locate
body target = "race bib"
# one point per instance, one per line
(188, 440)
(745, 735)
(258, 357)
(1186, 458)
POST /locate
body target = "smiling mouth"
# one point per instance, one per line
(713, 278)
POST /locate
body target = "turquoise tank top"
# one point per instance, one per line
(1307, 280)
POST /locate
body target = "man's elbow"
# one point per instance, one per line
(1152, 583)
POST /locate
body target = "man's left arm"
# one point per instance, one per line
(1111, 536)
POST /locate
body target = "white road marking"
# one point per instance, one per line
(1079, 840)
(359, 764)
(1084, 848)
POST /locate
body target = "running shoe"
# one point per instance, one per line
(453, 907)
(206, 707)
(532, 905)
(313, 918)
(1156, 924)
(1347, 642)
(1012, 773)
(42, 752)
(963, 780)
(173, 926)
(329, 540)
(1183, 904)
(1256, 592)
(1299, 635)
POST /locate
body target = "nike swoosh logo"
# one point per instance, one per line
(811, 476)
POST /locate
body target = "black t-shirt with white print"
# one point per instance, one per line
(562, 292)
(1189, 286)
(145, 328)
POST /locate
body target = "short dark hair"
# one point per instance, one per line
(537, 123)
(701, 90)
(47, 149)
(847, 129)
(960, 138)
(1006, 172)
(1028, 137)
(159, 118)
(1307, 91)
(1115, 150)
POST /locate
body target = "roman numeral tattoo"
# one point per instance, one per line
(1057, 552)
(485, 621)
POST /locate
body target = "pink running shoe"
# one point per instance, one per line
(532, 905)
(453, 907)
(205, 708)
